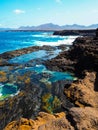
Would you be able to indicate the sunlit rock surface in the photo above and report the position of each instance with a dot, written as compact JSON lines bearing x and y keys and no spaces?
{"x":84,"y":92}
{"x":44,"y":121}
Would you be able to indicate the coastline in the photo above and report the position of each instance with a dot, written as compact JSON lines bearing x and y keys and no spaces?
{"x":81,"y":92}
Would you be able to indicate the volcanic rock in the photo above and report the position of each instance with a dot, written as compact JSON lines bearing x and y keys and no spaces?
{"x":77,"y":119}
{"x":97,"y":32}
{"x":83,"y":118}
{"x":83,"y":92}
{"x":75,"y":32}
{"x":26,"y":104}
{"x":44,"y":121}
{"x":83,"y":55}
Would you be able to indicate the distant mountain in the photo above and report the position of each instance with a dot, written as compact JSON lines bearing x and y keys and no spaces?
{"x":74,"y":26}
{"x":93,"y":26}
{"x":51,"y":26}
{"x":48,"y":26}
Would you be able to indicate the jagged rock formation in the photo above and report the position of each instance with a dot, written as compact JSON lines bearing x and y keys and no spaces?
{"x":76,"y":119}
{"x":84,"y":92}
{"x":26,"y":104}
{"x":83,"y":55}
{"x":84,"y":118}
{"x":44,"y":121}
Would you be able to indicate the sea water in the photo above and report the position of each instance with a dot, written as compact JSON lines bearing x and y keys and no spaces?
{"x":10,"y":41}
{"x":17,"y":40}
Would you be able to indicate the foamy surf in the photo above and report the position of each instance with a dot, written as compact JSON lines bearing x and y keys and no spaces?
{"x":67,"y":41}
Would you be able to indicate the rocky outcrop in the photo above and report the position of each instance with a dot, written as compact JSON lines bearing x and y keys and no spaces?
{"x":84,"y":92}
{"x":75,"y":32}
{"x":26,"y":104}
{"x":85,"y":52}
{"x":83,"y":55}
{"x":76,"y":119}
{"x":44,"y":121}
{"x":97,"y":32}
{"x":83,"y":118}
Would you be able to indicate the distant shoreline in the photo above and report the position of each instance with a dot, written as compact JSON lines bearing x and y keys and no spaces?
{"x":67,"y":32}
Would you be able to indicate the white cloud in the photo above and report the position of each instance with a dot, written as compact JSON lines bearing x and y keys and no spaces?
{"x":58,"y":1}
{"x":18,"y":11}
{"x":0,"y":25}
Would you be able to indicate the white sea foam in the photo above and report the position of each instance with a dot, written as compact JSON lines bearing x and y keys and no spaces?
{"x":48,"y":35}
{"x":67,"y":41}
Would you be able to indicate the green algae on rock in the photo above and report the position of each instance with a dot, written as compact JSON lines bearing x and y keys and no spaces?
{"x":50,"y":103}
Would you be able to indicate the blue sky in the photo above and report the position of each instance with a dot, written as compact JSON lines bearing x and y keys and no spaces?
{"x":15,"y":13}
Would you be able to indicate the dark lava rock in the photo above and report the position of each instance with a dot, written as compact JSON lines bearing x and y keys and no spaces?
{"x":83,"y":55}
{"x":97,"y":32}
{"x":75,"y":32}
{"x":86,"y":55}
{"x":26,"y":104}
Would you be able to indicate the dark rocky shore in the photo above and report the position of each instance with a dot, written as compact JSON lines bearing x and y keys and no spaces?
{"x":76,"y":32}
{"x":83,"y":55}
{"x":82,"y":60}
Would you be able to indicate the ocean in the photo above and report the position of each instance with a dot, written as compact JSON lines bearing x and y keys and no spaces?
{"x":30,"y":68}
{"x":17,"y":40}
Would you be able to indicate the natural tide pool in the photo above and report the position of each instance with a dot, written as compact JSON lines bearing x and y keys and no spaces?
{"x":41,"y":55}
{"x":40,"y":72}
{"x":29,"y":69}
{"x":14,"y":79}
